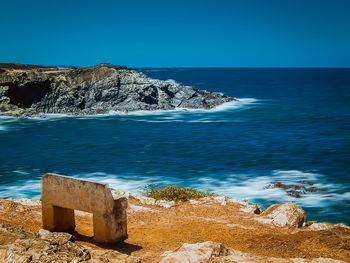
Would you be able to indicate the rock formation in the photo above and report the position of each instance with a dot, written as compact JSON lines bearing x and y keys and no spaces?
{"x":30,"y":90}
{"x":201,"y":252}
{"x":19,"y":245}
{"x":217,"y":253}
{"x":284,"y":215}
{"x":296,"y":190}
{"x":24,"y":246}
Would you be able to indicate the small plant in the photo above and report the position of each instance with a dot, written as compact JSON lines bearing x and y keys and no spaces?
{"x":174,"y":193}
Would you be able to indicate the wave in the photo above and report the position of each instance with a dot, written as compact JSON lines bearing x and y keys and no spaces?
{"x":232,"y":105}
{"x":215,"y":115}
{"x":240,"y":103}
{"x":24,"y":189}
{"x":255,"y":188}
{"x":250,"y":187}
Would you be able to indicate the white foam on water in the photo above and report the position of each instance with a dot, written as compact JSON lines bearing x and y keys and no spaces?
{"x":251,"y":187}
{"x":234,"y":104}
{"x":237,"y":186}
{"x":184,"y":114}
{"x":296,"y":175}
{"x":3,"y":120}
{"x":177,"y":114}
{"x":20,"y":172}
{"x":254,"y":187}
{"x":50,"y":116}
{"x":24,"y":189}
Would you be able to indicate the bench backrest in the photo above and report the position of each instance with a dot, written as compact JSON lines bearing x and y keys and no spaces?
{"x":67,"y":192}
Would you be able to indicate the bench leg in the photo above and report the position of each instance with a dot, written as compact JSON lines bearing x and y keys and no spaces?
{"x":109,"y":228}
{"x":58,"y":218}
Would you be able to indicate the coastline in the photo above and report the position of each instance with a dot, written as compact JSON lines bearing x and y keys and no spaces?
{"x":235,"y":104}
{"x":156,"y":227}
{"x":27,"y":90}
{"x":249,"y":156}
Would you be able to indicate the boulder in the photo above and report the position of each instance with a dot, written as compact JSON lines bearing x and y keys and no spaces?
{"x":283,"y":215}
{"x":216,"y":253}
{"x":325,"y":226}
{"x":195,"y":253}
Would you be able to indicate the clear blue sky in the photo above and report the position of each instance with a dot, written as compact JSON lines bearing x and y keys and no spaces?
{"x":179,"y":33}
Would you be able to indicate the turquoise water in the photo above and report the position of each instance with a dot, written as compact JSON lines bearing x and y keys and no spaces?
{"x":290,"y":125}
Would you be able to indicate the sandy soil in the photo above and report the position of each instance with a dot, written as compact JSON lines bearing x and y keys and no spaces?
{"x":153,"y":230}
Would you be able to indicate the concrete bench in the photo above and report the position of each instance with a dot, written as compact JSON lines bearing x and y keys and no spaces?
{"x":60,"y":195}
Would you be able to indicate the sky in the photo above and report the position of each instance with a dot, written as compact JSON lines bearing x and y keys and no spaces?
{"x":181,"y":33}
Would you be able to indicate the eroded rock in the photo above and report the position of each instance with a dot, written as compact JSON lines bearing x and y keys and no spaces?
{"x":151,"y":201}
{"x":217,"y":253}
{"x":325,"y":226}
{"x":251,"y":208}
{"x":27,"y":91}
{"x":19,"y":245}
{"x":283,"y":215}
{"x":295,"y":190}
{"x":24,"y":246}
{"x":195,"y":253}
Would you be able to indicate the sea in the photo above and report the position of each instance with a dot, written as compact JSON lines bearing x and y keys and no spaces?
{"x":289,"y":126}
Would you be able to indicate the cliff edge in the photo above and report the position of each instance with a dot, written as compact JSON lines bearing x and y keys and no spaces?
{"x":207,"y":230}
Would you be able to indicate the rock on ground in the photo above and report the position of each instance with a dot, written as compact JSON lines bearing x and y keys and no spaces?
{"x":19,"y":245}
{"x":325,"y":226}
{"x":200,"y":252}
{"x":217,"y":253}
{"x":284,"y":215}
{"x":23,"y":246}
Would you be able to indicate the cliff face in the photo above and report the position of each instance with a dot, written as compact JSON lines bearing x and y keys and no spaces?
{"x":26,"y":91}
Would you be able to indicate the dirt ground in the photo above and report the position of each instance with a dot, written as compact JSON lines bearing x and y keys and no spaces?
{"x":152,"y":230}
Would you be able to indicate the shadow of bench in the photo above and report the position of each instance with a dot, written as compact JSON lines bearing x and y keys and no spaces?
{"x":60,"y":195}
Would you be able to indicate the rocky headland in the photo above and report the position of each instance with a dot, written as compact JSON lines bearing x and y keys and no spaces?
{"x":29,"y":90}
{"x":210,"y":229}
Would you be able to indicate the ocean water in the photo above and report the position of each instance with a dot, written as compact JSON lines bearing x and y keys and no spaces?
{"x":289,"y":125}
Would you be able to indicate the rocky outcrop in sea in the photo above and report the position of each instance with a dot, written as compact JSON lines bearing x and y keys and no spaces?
{"x":27,"y":90}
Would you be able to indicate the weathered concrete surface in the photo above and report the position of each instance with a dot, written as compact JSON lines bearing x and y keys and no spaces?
{"x":62,"y":195}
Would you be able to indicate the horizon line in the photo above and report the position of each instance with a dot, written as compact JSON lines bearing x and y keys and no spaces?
{"x":188,"y":67}
{"x":239,"y":67}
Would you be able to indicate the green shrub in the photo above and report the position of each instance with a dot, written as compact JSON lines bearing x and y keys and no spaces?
{"x":174,"y":193}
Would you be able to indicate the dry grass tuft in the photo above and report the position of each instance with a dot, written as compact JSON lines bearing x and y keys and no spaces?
{"x":174,"y":193}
